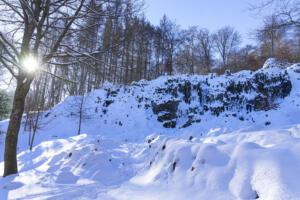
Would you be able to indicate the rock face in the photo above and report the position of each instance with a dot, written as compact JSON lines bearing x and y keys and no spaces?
{"x":183,"y":101}
{"x":189,"y":99}
{"x":166,"y":112}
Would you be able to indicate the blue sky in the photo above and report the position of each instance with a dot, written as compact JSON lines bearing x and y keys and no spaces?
{"x":211,"y":14}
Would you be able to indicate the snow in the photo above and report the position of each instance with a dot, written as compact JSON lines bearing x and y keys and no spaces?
{"x":273,"y":62}
{"x":230,"y":166}
{"x":124,"y":153}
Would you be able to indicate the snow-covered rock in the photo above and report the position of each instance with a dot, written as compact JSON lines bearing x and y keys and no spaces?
{"x":273,"y":62}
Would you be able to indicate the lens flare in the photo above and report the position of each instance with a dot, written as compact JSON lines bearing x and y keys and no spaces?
{"x":30,"y":64}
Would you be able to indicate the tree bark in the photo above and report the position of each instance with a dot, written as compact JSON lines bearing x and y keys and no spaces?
{"x":11,"y":141}
{"x":80,"y":115}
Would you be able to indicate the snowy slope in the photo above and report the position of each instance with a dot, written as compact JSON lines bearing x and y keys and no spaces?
{"x":245,"y":150}
{"x":231,"y":166}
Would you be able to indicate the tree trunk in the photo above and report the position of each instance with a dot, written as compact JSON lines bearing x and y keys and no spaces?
{"x":11,"y":140}
{"x":80,"y":114}
{"x":35,"y":127}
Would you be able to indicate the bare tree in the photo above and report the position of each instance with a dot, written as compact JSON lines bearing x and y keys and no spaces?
{"x":206,"y":48}
{"x":169,"y":31}
{"x":186,"y":56}
{"x":271,"y":35}
{"x":226,"y":40}
{"x":28,"y":38}
{"x":288,"y":11}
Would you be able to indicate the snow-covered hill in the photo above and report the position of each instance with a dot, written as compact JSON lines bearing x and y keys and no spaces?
{"x":198,"y":137}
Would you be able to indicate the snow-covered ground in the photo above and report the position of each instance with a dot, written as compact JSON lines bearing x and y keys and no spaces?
{"x":125,"y":153}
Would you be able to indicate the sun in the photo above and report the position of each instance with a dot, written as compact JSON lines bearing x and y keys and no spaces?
{"x":30,"y":64}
